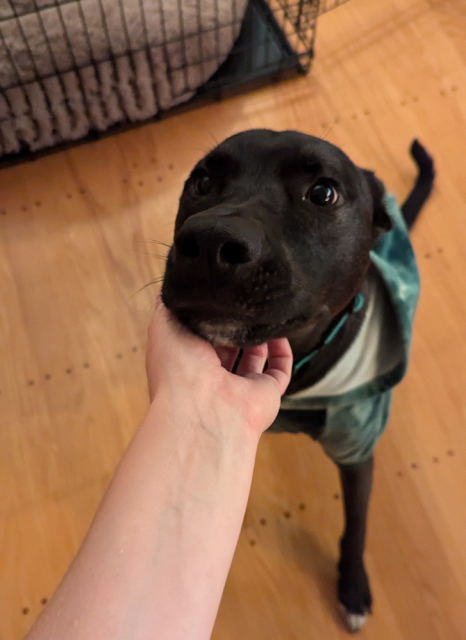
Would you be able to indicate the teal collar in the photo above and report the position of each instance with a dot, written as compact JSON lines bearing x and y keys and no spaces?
{"x":357,"y":306}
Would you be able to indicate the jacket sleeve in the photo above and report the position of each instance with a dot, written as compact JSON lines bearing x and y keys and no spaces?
{"x":351,"y":432}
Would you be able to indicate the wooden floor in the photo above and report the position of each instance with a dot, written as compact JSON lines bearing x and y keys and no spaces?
{"x":76,"y":247}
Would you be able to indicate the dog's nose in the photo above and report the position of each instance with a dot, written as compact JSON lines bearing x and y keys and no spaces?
{"x":218,"y":243}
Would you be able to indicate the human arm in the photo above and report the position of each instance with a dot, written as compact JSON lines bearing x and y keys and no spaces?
{"x":156,"y":557}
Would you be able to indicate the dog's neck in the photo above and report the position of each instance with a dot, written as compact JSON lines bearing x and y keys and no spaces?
{"x":314,"y":355}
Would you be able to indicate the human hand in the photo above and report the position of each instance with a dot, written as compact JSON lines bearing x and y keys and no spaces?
{"x":197,"y":377}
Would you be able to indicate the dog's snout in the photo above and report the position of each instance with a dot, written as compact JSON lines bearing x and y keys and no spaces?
{"x":187,"y":245}
{"x":218,"y":243}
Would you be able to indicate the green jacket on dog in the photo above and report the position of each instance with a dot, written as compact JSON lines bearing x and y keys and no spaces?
{"x":354,"y":397}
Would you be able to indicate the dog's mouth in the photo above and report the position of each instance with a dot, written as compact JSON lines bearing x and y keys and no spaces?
{"x":240,"y":308}
{"x":235,"y":330}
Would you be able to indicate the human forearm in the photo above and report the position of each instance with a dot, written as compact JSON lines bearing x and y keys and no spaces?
{"x":158,"y":552}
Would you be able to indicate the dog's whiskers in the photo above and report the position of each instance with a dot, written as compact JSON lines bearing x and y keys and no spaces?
{"x":151,"y":240}
{"x":149,"y":284}
{"x":327,"y":133}
{"x":214,"y":140}
{"x":153,"y":255}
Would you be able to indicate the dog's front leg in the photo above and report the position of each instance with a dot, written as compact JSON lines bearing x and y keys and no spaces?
{"x":353,"y":585}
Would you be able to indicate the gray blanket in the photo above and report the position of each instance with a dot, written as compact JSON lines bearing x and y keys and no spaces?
{"x":69,"y":66}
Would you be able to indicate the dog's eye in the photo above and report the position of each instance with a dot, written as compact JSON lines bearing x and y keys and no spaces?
{"x":323,"y":194}
{"x":202,"y":185}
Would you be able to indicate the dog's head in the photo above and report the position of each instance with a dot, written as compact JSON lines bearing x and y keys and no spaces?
{"x":273,"y":234}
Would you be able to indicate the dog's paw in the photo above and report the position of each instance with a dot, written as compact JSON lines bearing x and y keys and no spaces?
{"x":354,"y":595}
{"x":353,"y":621}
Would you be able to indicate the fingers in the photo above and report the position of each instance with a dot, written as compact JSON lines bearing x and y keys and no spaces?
{"x":253,"y":360}
{"x":280,"y":362}
{"x":227,"y":356}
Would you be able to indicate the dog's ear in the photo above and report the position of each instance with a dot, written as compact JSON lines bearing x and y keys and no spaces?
{"x":381,"y":220}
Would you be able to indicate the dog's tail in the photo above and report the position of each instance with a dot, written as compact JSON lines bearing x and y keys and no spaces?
{"x":423,"y":185}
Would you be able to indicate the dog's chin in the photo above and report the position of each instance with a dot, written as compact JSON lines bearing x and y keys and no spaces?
{"x":228,"y":334}
{"x":237,"y":329}
{"x":235,"y":333}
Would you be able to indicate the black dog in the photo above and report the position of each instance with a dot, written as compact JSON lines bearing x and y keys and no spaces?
{"x":280,"y":234}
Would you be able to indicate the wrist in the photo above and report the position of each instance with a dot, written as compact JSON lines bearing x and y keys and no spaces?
{"x":215,"y":424}
{"x":202,"y":469}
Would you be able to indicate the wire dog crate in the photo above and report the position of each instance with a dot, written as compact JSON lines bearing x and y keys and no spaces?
{"x":74,"y":70}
